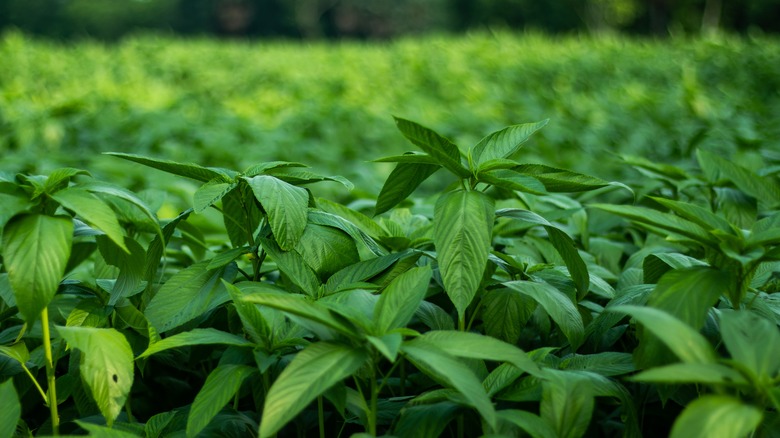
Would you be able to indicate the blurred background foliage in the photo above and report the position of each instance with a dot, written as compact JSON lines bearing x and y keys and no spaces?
{"x":112,"y":19}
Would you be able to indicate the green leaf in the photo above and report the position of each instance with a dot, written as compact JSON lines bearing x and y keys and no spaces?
{"x":400,"y":299}
{"x":717,"y":169}
{"x":98,"y":431}
{"x":220,"y":387}
{"x":106,"y":366}
{"x":156,"y":249}
{"x":363,"y":222}
{"x":10,"y":206}
{"x":35,"y":250}
{"x":686,"y":294}
{"x":58,"y":179}
{"x":511,"y":180}
{"x":315,"y":369}
{"x":608,"y":363}
{"x":409,"y":157}
{"x":567,"y":403}
{"x":94,"y":211}
{"x":257,"y":169}
{"x":688,"y":344}
{"x":703,"y":373}
{"x":438,"y":147}
{"x":559,"y":306}
{"x":10,"y":409}
{"x":401,"y":182}
{"x":131,"y":264}
{"x":562,"y":243}
{"x":197,"y":336}
{"x":210,"y":193}
{"x":425,"y":421}
{"x":654,"y":266}
{"x":298,"y":176}
{"x":505,"y":313}
{"x":462,"y":233}
{"x":665,"y":221}
{"x":362,"y":271}
{"x":187,"y":170}
{"x":240,"y":215}
{"x":716,"y":415}
{"x":190,"y":293}
{"x":294,"y":266}
{"x":326,"y":249}
{"x":389,"y":344}
{"x":115,"y":192}
{"x":561,"y":180}
{"x":698,"y":215}
{"x":476,"y":346}
{"x":503,"y":143}
{"x":753,"y":341}
{"x":531,"y":423}
{"x":304,"y":307}
{"x":17,"y":351}
{"x":356,"y":233}
{"x":285,"y":205}
{"x":445,"y":368}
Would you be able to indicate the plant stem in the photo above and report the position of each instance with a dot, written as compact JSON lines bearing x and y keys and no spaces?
{"x":373,"y":405}
{"x":55,"y":419}
{"x":35,"y":382}
{"x":321,"y":416}
{"x":462,"y":322}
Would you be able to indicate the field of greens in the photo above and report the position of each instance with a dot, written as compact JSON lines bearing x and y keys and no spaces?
{"x":489,"y":235}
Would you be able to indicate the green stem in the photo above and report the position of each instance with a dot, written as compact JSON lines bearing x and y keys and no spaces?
{"x":373,"y":406}
{"x":321,"y":416}
{"x":35,"y":382}
{"x":462,"y":322}
{"x":55,"y":418}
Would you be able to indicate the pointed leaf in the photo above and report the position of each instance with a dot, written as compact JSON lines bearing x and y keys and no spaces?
{"x":567,"y":404}
{"x":190,"y":293}
{"x":717,"y":168}
{"x":438,"y":147}
{"x":531,"y":423}
{"x":285,"y":205}
{"x":559,"y":306}
{"x":315,"y":369}
{"x":401,"y":182}
{"x":10,"y":409}
{"x":462,"y":234}
{"x":503,"y":143}
{"x":35,"y":250}
{"x":695,"y":214}
{"x":106,"y":366}
{"x":505,"y":313}
{"x":425,"y":421}
{"x":187,"y":170}
{"x":476,"y":346}
{"x":400,"y":299}
{"x":389,"y":345}
{"x":302,"y":306}
{"x":197,"y":336}
{"x":220,"y":387}
{"x":93,"y":210}
{"x":661,"y":220}
{"x":753,"y":341}
{"x":210,"y":193}
{"x":511,"y":180}
{"x":298,"y":176}
{"x":451,"y":372}
{"x":294,"y":266}
{"x":362,"y":271}
{"x":409,"y":157}
{"x":704,"y":373}
{"x":562,"y":243}
{"x":561,"y":180}
{"x":688,"y":344}
{"x":716,"y":415}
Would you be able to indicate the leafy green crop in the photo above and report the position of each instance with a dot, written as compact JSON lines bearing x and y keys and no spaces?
{"x":522,"y":299}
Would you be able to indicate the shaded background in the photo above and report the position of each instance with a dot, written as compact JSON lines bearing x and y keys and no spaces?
{"x":380,"y":19}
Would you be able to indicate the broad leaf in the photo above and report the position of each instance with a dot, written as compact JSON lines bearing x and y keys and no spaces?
{"x":462,"y":232}
{"x":35,"y":250}
{"x":559,"y":306}
{"x":400,"y":299}
{"x":197,"y":336}
{"x":438,"y":147}
{"x":503,"y":143}
{"x":220,"y":386}
{"x":314,"y":370}
{"x":451,"y":372}
{"x":401,"y":182}
{"x":608,"y":363}
{"x":425,"y":421}
{"x":562,"y":243}
{"x":240,"y":215}
{"x":753,"y":341}
{"x":476,"y":346}
{"x":505,"y":313}
{"x":210,"y":193}
{"x":688,"y":344}
{"x":567,"y":403}
{"x":531,"y":423}
{"x":292,"y":264}
{"x":131,"y":264}
{"x":285,"y":206}
{"x":362,"y":271}
{"x":511,"y":180}
{"x":93,"y":210}
{"x":716,"y":415}
{"x":10,"y":408}
{"x":698,"y":215}
{"x":326,"y":249}
{"x":106,"y":366}
{"x":654,"y":266}
{"x":190,"y":293}
{"x":717,"y":169}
